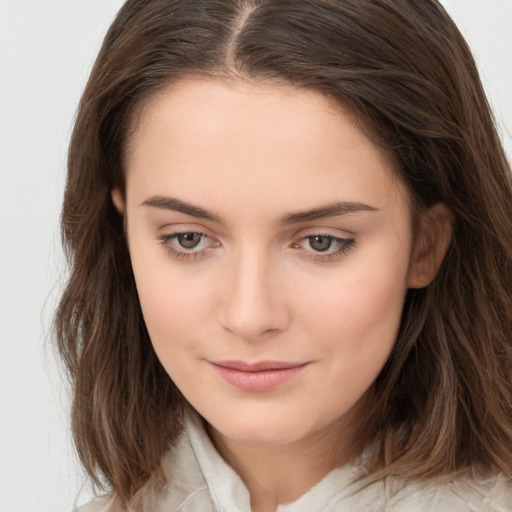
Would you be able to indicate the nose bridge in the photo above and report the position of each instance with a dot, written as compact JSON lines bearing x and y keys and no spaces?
{"x":253,"y":305}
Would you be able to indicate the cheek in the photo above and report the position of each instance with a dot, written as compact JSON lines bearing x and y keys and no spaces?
{"x":356,"y":316}
{"x":173,"y":314}
{"x":174,"y":305}
{"x":355,"y":333}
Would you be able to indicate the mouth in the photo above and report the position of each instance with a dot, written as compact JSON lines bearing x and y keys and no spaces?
{"x":257,"y":377}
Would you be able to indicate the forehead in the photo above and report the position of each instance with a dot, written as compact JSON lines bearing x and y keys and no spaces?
{"x":209,"y":140}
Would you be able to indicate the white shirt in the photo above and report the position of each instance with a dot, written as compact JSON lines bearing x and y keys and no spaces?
{"x":201,"y":481}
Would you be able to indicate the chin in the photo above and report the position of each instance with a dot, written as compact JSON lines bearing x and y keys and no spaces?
{"x":266,"y":431}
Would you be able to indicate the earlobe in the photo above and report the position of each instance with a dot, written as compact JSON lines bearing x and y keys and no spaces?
{"x":432,"y":242}
{"x":118,"y":200}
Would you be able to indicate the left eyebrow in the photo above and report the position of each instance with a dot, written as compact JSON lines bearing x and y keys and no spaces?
{"x":322,"y":212}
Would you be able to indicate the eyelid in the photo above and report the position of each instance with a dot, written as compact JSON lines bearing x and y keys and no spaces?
{"x":327,"y":230}
{"x":185,"y":227}
{"x":323,"y":231}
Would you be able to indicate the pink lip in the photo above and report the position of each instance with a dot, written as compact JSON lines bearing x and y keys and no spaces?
{"x":260,"y":376}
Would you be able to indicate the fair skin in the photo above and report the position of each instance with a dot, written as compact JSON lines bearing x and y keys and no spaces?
{"x":272,"y":250}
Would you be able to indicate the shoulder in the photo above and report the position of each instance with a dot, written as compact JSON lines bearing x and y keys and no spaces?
{"x":99,"y":504}
{"x":493,"y":494}
{"x":185,"y":489}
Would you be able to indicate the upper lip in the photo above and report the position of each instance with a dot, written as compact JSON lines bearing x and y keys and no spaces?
{"x":258,"y":366}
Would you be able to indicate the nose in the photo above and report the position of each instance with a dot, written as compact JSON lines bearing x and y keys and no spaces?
{"x":254,"y":306}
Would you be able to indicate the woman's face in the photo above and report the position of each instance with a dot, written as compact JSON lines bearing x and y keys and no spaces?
{"x":271,"y":246}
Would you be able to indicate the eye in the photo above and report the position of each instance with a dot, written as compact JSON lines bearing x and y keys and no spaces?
{"x":187,"y":244}
{"x":324,"y":247}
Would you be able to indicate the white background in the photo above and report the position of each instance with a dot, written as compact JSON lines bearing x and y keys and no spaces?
{"x":46,"y":51}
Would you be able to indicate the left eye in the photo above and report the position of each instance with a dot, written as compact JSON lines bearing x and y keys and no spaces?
{"x":324,"y":244}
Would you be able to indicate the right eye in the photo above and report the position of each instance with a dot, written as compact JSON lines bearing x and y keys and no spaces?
{"x":187,"y":244}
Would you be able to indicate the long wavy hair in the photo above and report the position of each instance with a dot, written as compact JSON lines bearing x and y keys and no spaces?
{"x":443,"y":402}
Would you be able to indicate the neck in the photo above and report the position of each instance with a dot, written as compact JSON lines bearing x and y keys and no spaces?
{"x":275,"y":474}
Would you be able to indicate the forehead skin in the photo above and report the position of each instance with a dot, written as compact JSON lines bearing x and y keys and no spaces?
{"x":208,"y":128}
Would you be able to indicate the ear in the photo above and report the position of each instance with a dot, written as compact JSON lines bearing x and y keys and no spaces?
{"x":431,"y":243}
{"x":118,"y":200}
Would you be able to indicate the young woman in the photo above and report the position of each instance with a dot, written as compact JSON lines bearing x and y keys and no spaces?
{"x":290,"y":233}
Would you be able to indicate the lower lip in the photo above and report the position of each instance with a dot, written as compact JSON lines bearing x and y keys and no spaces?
{"x":263,"y":380}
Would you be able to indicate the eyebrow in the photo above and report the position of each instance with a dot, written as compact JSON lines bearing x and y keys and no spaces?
{"x":177,"y":205}
{"x":329,"y":210}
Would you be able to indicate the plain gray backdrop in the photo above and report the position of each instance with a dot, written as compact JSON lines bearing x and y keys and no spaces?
{"x":46,"y":51}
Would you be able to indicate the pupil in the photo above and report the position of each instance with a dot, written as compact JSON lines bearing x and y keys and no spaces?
{"x":320,"y":243}
{"x":189,"y":240}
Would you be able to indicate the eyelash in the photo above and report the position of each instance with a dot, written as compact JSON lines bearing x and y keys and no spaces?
{"x":345,"y":245}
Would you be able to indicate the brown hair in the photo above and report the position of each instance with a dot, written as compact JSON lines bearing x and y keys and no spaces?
{"x":443,"y":402}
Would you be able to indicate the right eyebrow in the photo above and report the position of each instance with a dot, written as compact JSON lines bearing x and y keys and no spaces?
{"x":177,"y":205}
{"x":322,"y":212}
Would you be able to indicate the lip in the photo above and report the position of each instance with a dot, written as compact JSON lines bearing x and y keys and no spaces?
{"x":257,"y":377}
